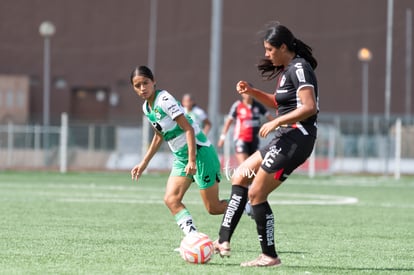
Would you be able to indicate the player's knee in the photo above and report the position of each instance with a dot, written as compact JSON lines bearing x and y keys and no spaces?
{"x":170,"y":201}
{"x":210,"y":209}
{"x":254,"y":196}
{"x":215,"y":209}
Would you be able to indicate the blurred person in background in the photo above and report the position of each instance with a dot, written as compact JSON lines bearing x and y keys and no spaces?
{"x":247,"y":114}
{"x":196,"y":113}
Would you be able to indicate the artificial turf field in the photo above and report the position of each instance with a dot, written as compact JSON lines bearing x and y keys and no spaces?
{"x":103,"y":223}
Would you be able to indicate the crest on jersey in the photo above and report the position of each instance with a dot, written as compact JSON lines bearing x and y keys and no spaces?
{"x":157,"y":114}
{"x":282,"y":81}
{"x":243,"y":112}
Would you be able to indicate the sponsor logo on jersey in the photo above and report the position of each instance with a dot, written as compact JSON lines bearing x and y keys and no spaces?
{"x":173,"y":109}
{"x":299,"y":72}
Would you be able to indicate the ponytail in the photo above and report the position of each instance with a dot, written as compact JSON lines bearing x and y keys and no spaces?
{"x":305,"y":51}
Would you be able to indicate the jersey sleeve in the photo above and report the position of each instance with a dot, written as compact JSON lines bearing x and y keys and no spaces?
{"x":201,"y":114}
{"x":233,"y":110}
{"x":301,"y":75}
{"x":170,"y":105}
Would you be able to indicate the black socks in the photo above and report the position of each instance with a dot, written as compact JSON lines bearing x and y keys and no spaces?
{"x":263,"y":216}
{"x":265,"y":228}
{"x":233,"y":212}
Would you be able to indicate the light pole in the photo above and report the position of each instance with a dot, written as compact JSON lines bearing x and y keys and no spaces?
{"x":388,"y":72}
{"x":46,"y":30}
{"x":365,"y":56}
{"x":215,"y":65}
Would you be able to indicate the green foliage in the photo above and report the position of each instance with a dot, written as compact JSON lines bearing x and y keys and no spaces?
{"x":103,"y":223}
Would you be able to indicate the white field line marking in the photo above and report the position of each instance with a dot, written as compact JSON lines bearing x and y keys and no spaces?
{"x":344,"y":201}
{"x":135,"y":194}
{"x":133,"y":197}
{"x":356,"y":182}
{"x":312,"y":199}
{"x":297,"y":199}
{"x":388,"y":205}
{"x":89,"y":186}
{"x":114,"y":200}
{"x":139,"y":195}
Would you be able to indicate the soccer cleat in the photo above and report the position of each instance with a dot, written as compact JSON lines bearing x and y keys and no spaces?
{"x":263,"y":260}
{"x":223,"y":249}
{"x":249,"y":210}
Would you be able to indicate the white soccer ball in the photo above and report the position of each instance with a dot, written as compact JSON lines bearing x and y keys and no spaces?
{"x":196,"y":248}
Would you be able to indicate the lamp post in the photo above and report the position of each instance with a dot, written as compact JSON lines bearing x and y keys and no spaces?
{"x":365,"y":56}
{"x":46,"y":30}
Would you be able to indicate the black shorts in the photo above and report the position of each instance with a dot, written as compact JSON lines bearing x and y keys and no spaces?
{"x":286,"y":151}
{"x":245,"y":147}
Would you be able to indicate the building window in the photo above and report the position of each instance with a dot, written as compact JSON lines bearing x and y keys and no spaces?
{"x":100,"y":95}
{"x":21,"y":99}
{"x":9,"y":99}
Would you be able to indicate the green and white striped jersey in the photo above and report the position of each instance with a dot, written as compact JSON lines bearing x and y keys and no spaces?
{"x":165,"y":109}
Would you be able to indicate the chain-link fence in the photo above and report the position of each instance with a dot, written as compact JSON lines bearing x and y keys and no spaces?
{"x":343,"y":145}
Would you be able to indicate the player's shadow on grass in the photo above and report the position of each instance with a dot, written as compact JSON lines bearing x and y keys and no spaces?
{"x":281,"y":252}
{"x":229,"y":263}
{"x":292,"y":252}
{"x":223,"y":263}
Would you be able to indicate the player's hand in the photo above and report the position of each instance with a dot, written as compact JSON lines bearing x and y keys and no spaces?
{"x":243,"y":87}
{"x":137,"y":171}
{"x":220,"y":143}
{"x":267,"y":128}
{"x":190,"y":168}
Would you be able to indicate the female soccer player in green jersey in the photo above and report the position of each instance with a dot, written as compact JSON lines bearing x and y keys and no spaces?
{"x":195,"y":158}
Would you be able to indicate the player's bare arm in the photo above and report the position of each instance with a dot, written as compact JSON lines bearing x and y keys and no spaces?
{"x":191,"y":167}
{"x":138,"y":169}
{"x":308,"y":108}
{"x":265,"y":98}
{"x":207,"y":126}
{"x":226,"y":127}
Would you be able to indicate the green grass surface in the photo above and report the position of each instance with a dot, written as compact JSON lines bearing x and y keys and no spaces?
{"x":103,"y":223}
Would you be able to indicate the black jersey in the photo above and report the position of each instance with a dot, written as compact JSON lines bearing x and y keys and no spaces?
{"x":297,"y":74}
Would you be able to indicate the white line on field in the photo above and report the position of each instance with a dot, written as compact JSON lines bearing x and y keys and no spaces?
{"x":298,"y":199}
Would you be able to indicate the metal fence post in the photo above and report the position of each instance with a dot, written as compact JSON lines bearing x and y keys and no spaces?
{"x":64,"y":143}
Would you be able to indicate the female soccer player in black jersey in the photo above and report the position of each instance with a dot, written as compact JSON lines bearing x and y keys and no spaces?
{"x":291,"y":63}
